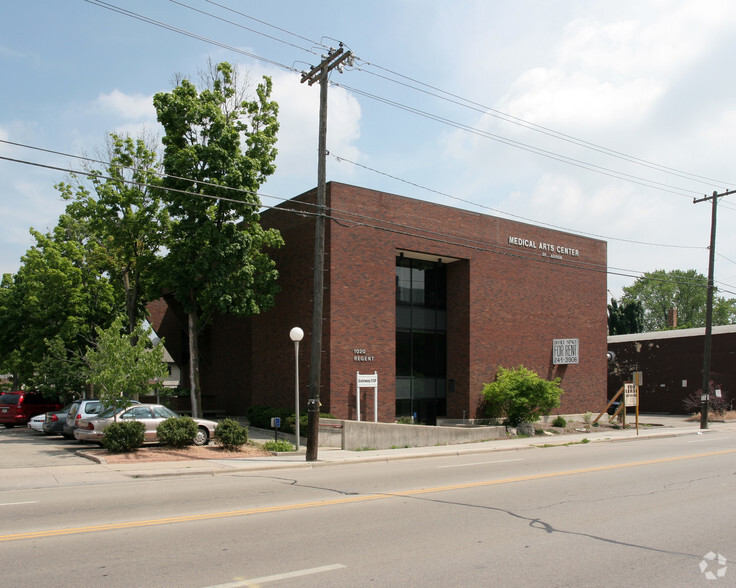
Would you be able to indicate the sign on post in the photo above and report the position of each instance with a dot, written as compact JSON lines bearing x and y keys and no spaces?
{"x":630,"y":395}
{"x":565,"y":351}
{"x":367,"y":381}
{"x":275,"y":425}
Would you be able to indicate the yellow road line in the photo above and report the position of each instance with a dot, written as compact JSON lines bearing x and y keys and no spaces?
{"x":347,"y":500}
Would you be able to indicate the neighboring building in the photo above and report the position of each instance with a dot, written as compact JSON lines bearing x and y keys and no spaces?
{"x":671,"y":363}
{"x":431,"y":298}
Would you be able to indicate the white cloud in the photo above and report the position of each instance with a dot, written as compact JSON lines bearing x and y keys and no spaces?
{"x":299,"y":121}
{"x":553,"y":97}
{"x":126,"y":106}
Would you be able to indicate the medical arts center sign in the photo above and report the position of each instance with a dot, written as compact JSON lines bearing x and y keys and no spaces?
{"x":553,"y":250}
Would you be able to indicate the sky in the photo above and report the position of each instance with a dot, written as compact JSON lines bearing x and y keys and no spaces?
{"x":604,"y":119}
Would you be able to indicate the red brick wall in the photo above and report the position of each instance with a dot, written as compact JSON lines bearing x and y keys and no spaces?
{"x":666,"y":363}
{"x":514,"y":301}
{"x":506,"y":303}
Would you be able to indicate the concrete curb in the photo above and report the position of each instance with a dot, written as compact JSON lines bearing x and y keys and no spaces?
{"x":228,"y":468}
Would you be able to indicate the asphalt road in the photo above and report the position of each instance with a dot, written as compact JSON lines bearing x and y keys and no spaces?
{"x":636,"y":513}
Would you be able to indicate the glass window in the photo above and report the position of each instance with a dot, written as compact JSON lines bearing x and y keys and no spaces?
{"x":421,"y":337}
{"x":403,"y":285}
{"x":161,"y":412}
{"x":403,"y":353}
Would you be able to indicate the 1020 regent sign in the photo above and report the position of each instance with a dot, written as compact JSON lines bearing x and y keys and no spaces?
{"x":361,"y":355}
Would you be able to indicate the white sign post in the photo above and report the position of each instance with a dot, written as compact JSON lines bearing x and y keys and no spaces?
{"x":565,"y":351}
{"x":367,"y":381}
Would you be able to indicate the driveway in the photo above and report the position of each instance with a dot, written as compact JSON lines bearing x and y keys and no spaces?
{"x":22,"y":448}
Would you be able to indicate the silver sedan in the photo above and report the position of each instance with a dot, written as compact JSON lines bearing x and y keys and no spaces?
{"x":151,"y":415}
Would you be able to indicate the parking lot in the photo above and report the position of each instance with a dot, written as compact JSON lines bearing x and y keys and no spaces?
{"x":22,"y":448}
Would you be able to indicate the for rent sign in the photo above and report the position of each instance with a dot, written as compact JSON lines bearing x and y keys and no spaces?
{"x":565,"y":351}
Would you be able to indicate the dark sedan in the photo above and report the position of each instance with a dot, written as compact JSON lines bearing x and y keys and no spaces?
{"x":54,"y":422}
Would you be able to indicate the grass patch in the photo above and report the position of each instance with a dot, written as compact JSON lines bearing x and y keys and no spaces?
{"x":581,"y":442}
{"x":282,"y":445}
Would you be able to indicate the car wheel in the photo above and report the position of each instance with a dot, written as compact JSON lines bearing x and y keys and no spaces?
{"x":9,"y":425}
{"x":68,"y":437}
{"x":202,"y":437}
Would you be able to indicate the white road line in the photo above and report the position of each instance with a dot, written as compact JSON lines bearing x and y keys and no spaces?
{"x":277,"y":577}
{"x":14,"y":503}
{"x":462,"y":465}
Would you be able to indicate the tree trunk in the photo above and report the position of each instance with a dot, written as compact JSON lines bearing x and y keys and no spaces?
{"x":195,"y":393}
{"x":131,"y":300}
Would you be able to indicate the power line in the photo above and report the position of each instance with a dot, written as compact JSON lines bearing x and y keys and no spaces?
{"x":408,"y":182}
{"x":187,"y":33}
{"x":538,"y":151}
{"x":235,"y":24}
{"x":263,"y":22}
{"x":498,"y":211}
{"x":458,"y":100}
{"x":530,"y":148}
{"x":372,"y":223}
{"x":487,"y":110}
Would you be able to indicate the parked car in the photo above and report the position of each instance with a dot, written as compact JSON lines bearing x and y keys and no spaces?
{"x":36,"y":423}
{"x":83,"y":409}
{"x":17,"y":408}
{"x":150,"y":415}
{"x":54,"y":420}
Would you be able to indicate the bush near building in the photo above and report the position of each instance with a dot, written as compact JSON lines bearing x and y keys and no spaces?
{"x":231,"y":435}
{"x":520,"y":396}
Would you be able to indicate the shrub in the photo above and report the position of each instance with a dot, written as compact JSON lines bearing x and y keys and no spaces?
{"x":231,"y":435}
{"x":559,"y":421}
{"x":260,"y":417}
{"x":587,"y":417}
{"x":716,"y":404}
{"x":123,"y":437}
{"x":289,"y":426}
{"x":177,"y":431}
{"x":279,"y":446}
{"x":520,"y":395}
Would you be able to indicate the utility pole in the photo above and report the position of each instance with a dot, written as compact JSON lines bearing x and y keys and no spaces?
{"x":709,"y":307}
{"x":334,"y":59}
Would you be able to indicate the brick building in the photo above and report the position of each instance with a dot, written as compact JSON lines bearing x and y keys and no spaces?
{"x":431,"y":298}
{"x":672,"y":366}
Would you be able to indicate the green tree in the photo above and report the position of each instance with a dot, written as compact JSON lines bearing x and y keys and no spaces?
{"x":659,"y":291}
{"x":625,"y":317}
{"x":520,"y":395}
{"x":126,"y":219}
{"x":218,"y":150}
{"x":52,"y":306}
{"x":11,"y":322}
{"x":124,"y":365}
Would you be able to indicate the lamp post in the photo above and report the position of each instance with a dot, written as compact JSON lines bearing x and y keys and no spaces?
{"x":296,"y":335}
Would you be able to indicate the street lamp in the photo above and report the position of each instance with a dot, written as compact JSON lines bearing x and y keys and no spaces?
{"x":296,"y":335}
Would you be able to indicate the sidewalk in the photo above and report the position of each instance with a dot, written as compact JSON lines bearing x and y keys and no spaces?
{"x":650,"y":426}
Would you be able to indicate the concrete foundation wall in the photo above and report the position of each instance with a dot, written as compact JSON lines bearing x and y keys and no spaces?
{"x":356,"y":435}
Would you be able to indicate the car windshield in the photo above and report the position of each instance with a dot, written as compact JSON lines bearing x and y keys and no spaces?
{"x":162,"y":412}
{"x":107,"y":412}
{"x":9,"y":398}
